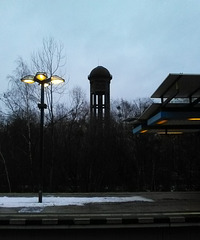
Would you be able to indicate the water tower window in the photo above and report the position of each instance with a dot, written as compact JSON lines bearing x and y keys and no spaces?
{"x":103,"y":99}
{"x":92,"y":99}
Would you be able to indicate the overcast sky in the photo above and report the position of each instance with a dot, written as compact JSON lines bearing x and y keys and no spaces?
{"x":139,"y":41}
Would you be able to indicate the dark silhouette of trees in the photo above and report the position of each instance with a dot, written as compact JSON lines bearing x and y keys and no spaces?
{"x":84,"y":161}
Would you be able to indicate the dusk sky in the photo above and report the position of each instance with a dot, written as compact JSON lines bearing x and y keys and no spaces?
{"x":139,"y":41}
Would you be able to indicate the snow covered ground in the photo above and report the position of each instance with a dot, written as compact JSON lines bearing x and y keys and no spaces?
{"x":13,"y":202}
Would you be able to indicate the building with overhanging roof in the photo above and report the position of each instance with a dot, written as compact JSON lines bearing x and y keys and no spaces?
{"x":179,"y":109}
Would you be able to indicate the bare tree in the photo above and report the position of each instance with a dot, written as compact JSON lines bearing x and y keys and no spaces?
{"x":21,"y":99}
{"x":123,"y":109}
{"x":6,"y":170}
{"x":79,"y":106}
{"x":50,"y":59}
{"x":19,"y":102}
{"x":141,"y":104}
{"x":19,"y":96}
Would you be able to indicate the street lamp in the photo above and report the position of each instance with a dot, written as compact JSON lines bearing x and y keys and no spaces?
{"x":43,"y":80}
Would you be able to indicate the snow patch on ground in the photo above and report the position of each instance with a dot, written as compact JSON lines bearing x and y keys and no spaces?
{"x":32,"y":202}
{"x":31,"y":210}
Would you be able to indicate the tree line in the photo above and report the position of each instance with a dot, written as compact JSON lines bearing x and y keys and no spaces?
{"x":78,"y":159}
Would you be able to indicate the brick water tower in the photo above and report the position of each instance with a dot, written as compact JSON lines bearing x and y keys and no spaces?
{"x":100,"y":79}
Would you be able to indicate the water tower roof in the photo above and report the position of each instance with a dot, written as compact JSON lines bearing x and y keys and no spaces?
{"x":100,"y":72}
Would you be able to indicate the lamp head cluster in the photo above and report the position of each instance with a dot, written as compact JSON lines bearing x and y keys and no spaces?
{"x":42,"y":78}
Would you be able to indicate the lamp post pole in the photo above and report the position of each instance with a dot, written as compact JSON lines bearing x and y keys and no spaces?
{"x":41,"y":106}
